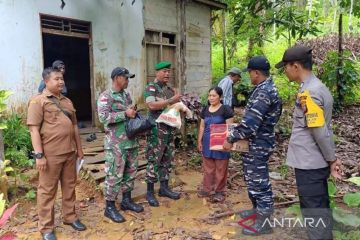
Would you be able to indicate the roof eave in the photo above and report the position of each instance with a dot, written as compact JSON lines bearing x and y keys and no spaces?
{"x":216,"y":5}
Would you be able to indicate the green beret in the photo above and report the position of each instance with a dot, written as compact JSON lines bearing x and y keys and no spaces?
{"x":162,"y":64}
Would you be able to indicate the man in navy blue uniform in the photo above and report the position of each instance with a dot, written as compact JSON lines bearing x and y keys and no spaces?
{"x":262,"y":112}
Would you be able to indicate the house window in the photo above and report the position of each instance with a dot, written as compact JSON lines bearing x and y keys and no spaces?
{"x":160,"y":46}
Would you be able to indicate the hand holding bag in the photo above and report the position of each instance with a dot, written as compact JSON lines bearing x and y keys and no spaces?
{"x":137,"y":125}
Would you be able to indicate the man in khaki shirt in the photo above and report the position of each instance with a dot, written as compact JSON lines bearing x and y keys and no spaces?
{"x":311,"y":148}
{"x":56,"y":141}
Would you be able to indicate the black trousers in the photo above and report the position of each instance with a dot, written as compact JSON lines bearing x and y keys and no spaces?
{"x":314,"y":202}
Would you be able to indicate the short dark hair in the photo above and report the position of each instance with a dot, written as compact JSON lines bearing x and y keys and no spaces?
{"x":306,"y":64}
{"x":218,"y":90}
{"x":266,"y":73}
{"x":57,"y":64}
{"x":47,"y":71}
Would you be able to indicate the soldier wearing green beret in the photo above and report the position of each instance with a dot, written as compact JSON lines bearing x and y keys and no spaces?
{"x":160,"y":141}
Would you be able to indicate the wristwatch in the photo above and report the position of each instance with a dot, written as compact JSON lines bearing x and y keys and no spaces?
{"x":39,"y":155}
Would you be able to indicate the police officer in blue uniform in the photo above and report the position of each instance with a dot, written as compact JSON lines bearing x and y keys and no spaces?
{"x":262,"y":112}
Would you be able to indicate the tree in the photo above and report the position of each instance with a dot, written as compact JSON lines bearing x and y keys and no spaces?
{"x":353,"y":8}
{"x":254,"y":21}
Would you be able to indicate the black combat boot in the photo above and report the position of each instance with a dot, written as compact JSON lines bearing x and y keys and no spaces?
{"x":128,"y":204}
{"x":150,"y":197}
{"x":166,"y":192}
{"x":261,"y":226}
{"x":112,"y":213}
{"x":248,"y":212}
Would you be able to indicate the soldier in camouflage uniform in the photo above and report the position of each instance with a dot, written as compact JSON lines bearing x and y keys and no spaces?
{"x":262,"y":112}
{"x":160,"y":141}
{"x":114,"y":107}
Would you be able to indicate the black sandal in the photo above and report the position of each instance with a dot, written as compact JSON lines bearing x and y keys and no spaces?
{"x":218,"y":197}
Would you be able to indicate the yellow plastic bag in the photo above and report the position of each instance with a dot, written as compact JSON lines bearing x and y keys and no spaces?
{"x":313,"y":113}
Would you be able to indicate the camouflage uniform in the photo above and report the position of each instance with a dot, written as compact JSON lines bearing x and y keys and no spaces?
{"x":160,"y":140}
{"x":262,"y":112}
{"x":120,"y":152}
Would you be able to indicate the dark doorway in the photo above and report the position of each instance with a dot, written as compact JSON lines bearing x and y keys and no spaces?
{"x":74,"y":52}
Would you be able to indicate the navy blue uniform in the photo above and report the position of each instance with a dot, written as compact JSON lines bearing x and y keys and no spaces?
{"x":262,"y":112}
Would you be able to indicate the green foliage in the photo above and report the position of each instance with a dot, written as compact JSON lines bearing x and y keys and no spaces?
{"x":5,"y":168}
{"x":284,"y":170}
{"x":355,"y":180}
{"x":346,"y":218}
{"x":257,"y":21}
{"x":352,"y":199}
{"x":216,"y":63}
{"x":2,"y":204}
{"x":351,"y":235}
{"x":243,"y":88}
{"x":18,"y":158}
{"x":30,"y":195}
{"x":340,"y":215}
{"x":331,"y":188}
{"x":190,"y":139}
{"x":291,"y":21}
{"x":17,"y":148}
{"x":294,"y":209}
{"x":350,"y":84}
{"x":3,"y":96}
{"x":332,"y":192}
{"x":346,"y":4}
{"x":287,"y":90}
{"x":204,"y":99}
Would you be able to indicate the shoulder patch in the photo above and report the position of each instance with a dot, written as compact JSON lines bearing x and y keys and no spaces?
{"x":152,"y":88}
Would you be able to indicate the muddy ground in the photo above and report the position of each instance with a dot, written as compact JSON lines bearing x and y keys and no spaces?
{"x":187,"y":218}
{"x":190,"y":217}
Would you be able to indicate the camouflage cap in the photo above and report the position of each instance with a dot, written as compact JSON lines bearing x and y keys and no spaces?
{"x":162,"y":65}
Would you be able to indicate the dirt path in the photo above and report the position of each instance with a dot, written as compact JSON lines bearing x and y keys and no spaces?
{"x":172,"y":220}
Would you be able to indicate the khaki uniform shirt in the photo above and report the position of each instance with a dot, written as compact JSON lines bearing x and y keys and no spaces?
{"x":56,"y":129}
{"x":312,"y":148}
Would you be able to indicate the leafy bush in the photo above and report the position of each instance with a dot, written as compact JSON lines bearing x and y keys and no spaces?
{"x":287,"y":90}
{"x":30,"y":195}
{"x":243,"y":88}
{"x":17,"y":148}
{"x":3,"y":96}
{"x":351,"y":78}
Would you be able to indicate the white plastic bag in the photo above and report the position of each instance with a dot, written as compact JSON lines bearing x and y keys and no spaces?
{"x":171,"y":115}
{"x":79,"y":163}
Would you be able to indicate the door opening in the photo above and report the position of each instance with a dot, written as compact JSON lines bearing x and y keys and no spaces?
{"x":60,"y":43}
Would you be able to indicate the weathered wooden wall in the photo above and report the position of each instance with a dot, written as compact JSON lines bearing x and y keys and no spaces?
{"x":198,"y":56}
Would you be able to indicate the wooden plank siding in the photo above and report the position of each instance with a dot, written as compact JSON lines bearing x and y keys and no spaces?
{"x":193,"y":50}
{"x":160,"y":15}
{"x":198,"y":46}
